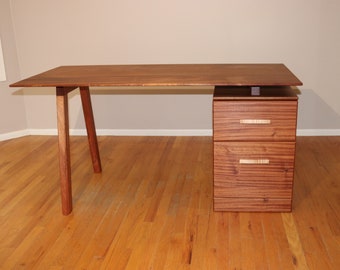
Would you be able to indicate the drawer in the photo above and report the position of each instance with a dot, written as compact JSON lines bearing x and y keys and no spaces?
{"x":257,"y":170}
{"x":256,"y":120}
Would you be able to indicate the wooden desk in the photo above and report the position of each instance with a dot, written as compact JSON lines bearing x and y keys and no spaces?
{"x":68,"y":78}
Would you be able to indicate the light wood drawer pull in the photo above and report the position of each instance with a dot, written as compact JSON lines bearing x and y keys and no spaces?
{"x":255,"y":121}
{"x":254,"y":161}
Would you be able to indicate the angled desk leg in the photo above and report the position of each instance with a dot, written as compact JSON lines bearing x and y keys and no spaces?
{"x":64,"y":149}
{"x":90,"y":128}
{"x":64,"y":142}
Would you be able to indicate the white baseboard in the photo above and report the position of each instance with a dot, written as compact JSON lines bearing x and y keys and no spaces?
{"x":111,"y":132}
{"x":150,"y":132}
{"x":153,"y":132}
{"x":14,"y":134}
{"x":129,"y":132}
{"x":318,"y":132}
{"x":44,"y":132}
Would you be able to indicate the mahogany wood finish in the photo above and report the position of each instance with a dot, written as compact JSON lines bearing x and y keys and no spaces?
{"x":90,"y":128}
{"x":66,"y":78}
{"x":164,"y":75}
{"x":268,"y":186}
{"x":64,"y":149}
{"x":254,"y":149}
{"x":234,"y":121}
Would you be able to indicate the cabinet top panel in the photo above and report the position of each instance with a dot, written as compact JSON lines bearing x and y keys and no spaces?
{"x":266,"y":93}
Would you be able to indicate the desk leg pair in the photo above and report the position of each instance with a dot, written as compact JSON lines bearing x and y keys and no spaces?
{"x":64,"y":141}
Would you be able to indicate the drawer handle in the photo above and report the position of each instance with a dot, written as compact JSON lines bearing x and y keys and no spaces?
{"x":254,"y":161}
{"x":255,"y":121}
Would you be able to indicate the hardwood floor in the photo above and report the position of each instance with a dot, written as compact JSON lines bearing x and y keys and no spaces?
{"x":151,"y":208}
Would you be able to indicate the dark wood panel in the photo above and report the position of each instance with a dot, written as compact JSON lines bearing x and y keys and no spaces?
{"x":253,"y":170}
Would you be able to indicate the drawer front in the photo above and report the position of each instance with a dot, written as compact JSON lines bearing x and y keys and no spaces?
{"x":254,"y":170}
{"x":254,"y":120}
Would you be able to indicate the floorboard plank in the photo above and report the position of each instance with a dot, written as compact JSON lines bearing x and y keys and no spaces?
{"x":151,"y":208}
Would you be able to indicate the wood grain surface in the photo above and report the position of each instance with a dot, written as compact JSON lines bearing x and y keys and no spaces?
{"x":280,"y":125}
{"x":253,"y":187}
{"x":163,"y":75}
{"x":254,"y":149}
{"x":151,"y":208}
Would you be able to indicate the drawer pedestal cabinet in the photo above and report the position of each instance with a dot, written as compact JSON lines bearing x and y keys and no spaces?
{"x":254,"y":148}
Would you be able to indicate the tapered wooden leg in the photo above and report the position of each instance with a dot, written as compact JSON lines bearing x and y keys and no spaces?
{"x":90,"y":127}
{"x":64,"y":150}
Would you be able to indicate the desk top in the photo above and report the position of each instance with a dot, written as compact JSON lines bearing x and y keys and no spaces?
{"x":164,"y":75}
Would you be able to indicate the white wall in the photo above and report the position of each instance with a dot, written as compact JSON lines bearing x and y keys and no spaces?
{"x":303,"y":34}
{"x":12,"y":109}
